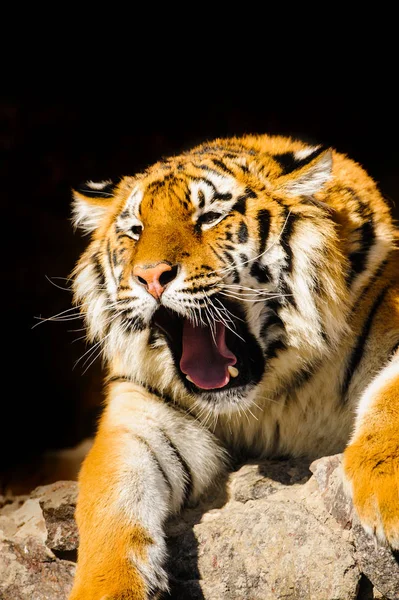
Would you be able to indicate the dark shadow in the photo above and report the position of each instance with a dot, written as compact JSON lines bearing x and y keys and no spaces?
{"x":287,"y":470}
{"x":184,"y":575}
{"x":71,"y":555}
{"x":366,"y":588}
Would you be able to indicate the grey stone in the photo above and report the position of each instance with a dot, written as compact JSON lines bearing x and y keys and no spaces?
{"x":376,"y":562}
{"x":329,"y":476}
{"x":58,"y":502}
{"x":272,"y":547}
{"x":271,"y":531}
{"x":30,"y":571}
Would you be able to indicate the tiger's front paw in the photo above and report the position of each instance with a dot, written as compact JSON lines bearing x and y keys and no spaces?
{"x":122,"y":568}
{"x":373,"y":478}
{"x":122,"y":585}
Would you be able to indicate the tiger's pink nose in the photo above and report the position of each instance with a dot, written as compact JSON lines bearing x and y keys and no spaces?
{"x":155,"y":278}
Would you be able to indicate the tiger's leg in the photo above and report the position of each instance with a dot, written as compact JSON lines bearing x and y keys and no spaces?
{"x":371,"y":461}
{"x":147,"y":459}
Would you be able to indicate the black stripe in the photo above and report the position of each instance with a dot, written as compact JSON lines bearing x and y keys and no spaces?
{"x":273,"y":317}
{"x":303,"y":375}
{"x":242,"y":234}
{"x":263,"y":218}
{"x":243,"y":168}
{"x":164,"y":397}
{"x":111,"y":263}
{"x":231,"y":261}
{"x":222,"y":166}
{"x":286,"y":234}
{"x":122,"y":234}
{"x":289,"y":163}
{"x":225,"y":197}
{"x":358,"y":259}
{"x":297,"y":379}
{"x":274,"y":347}
{"x":155,"y":459}
{"x":371,"y":282}
{"x":98,"y":269}
{"x":216,"y":194}
{"x":155,"y":186}
{"x":188,"y":479}
{"x":241,"y":203}
{"x":358,"y":351}
{"x":287,"y":293}
{"x":201,"y":199}
{"x":249,"y":193}
{"x":195,"y":289}
{"x":217,"y":255}
{"x":260,"y":273}
{"x":115,"y":258}
{"x":136,"y":323}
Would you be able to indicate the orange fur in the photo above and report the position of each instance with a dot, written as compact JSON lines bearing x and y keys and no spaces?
{"x":371,"y":464}
{"x":106,"y":539}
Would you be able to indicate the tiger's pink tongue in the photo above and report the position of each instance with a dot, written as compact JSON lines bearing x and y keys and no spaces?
{"x":204,"y":360}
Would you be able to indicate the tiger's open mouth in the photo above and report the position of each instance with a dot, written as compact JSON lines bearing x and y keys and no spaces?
{"x":207,"y":358}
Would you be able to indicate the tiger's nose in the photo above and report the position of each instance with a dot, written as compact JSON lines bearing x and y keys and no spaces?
{"x":155,"y":278}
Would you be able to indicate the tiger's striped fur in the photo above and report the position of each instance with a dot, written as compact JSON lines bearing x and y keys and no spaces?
{"x":267,"y":272}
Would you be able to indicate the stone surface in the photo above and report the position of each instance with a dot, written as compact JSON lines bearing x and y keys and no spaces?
{"x":30,"y":571}
{"x":379,"y":564}
{"x":57,"y":502}
{"x":271,"y":531}
{"x":267,"y":542}
{"x":328,"y":474}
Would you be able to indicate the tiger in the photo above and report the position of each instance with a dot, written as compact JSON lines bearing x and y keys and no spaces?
{"x":245,"y":297}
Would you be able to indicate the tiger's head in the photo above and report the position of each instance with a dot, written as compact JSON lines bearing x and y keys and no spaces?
{"x":213,"y":270}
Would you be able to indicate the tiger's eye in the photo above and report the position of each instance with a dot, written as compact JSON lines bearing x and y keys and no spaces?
{"x":136,"y":230}
{"x":209,"y":217}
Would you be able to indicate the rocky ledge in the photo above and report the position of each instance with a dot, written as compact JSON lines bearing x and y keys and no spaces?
{"x":272,"y":531}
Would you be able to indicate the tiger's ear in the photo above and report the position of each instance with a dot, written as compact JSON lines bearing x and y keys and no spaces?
{"x":91,"y":203}
{"x":305,"y":172}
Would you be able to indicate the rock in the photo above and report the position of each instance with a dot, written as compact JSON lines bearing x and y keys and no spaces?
{"x":29,"y":570}
{"x":271,"y":531}
{"x":329,"y":476}
{"x":58,"y":502}
{"x":377,"y":563}
{"x":270,"y":547}
{"x":28,"y":567}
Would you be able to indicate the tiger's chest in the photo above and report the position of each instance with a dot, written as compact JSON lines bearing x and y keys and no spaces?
{"x":310,"y":419}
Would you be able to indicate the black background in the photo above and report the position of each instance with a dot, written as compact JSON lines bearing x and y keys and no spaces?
{"x":51,"y":145}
